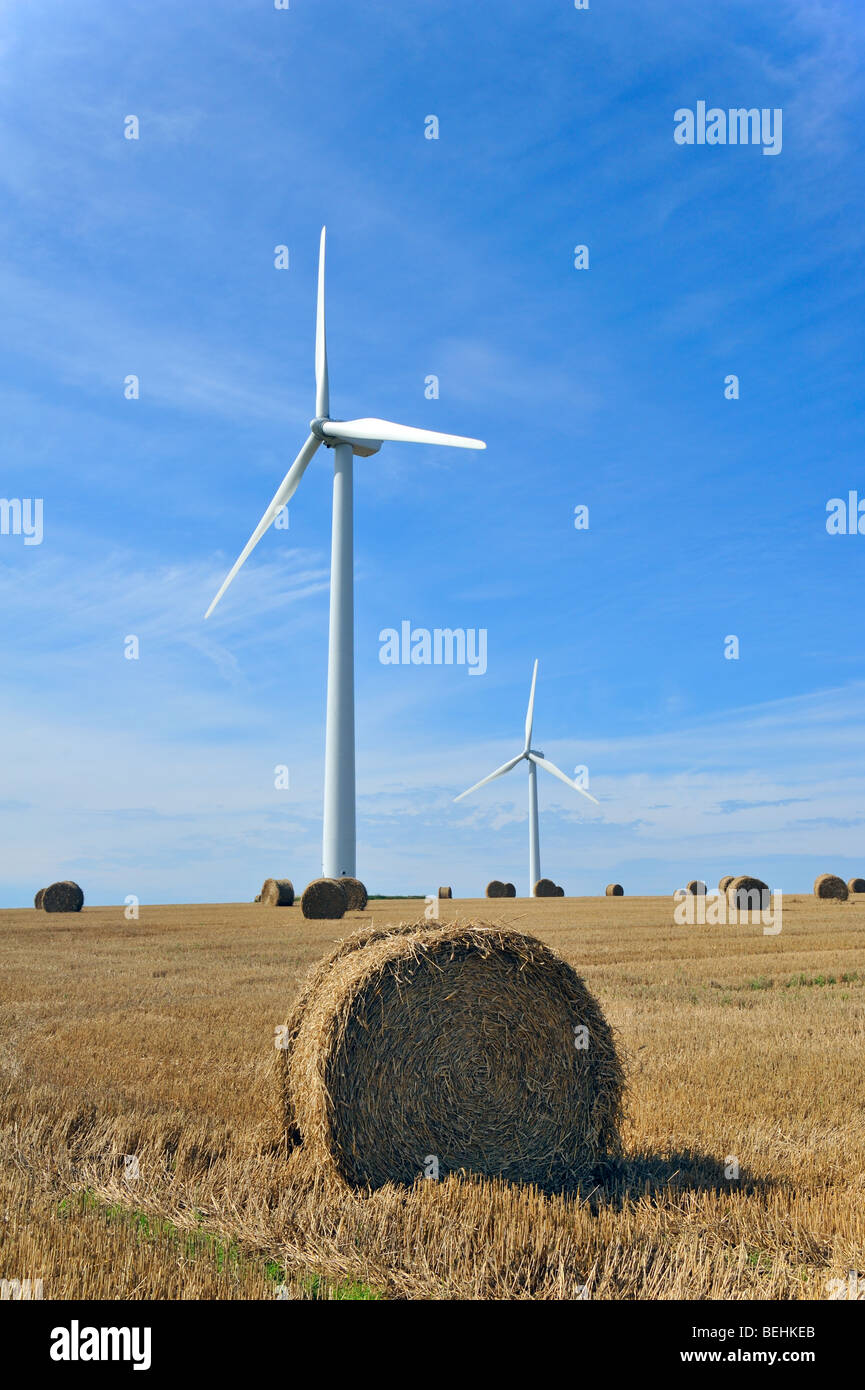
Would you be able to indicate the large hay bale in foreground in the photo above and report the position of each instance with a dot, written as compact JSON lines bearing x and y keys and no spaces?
{"x":510,"y":890}
{"x":856,"y":885}
{"x":277,"y":892}
{"x":446,"y":892}
{"x":324,"y":899}
{"x":495,"y":889}
{"x":697,"y":888}
{"x":359,"y":938}
{"x":831,"y":886}
{"x":545,"y":888}
{"x":355,"y":893}
{"x":37,"y":901}
{"x":458,"y":1042}
{"x":614,"y":890}
{"x":65,"y":896}
{"x":724,"y":883}
{"x":749,"y":894}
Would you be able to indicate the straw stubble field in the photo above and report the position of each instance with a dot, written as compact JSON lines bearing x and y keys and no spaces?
{"x":154,"y":1040}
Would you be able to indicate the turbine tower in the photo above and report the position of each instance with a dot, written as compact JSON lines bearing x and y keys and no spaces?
{"x":535,"y":759}
{"x":346,"y":438}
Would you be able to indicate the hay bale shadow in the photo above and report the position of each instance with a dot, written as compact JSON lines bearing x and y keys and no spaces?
{"x":645,"y":1174}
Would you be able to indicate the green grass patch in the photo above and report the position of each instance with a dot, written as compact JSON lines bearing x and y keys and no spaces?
{"x":802,"y":981}
{"x":317,"y":1287}
{"x":226,"y":1255}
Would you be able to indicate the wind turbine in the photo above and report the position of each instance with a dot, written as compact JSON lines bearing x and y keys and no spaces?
{"x":346,"y":438}
{"x":535,"y":759}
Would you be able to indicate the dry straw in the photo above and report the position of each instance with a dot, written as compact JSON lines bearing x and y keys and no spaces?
{"x":446,"y":892}
{"x":65,"y":896}
{"x":831,"y":886}
{"x":696,"y":888}
{"x":615,"y":890}
{"x":458,"y":1042}
{"x":355,"y":893}
{"x":560,"y":892}
{"x":317,"y":974}
{"x":496,"y":889}
{"x":856,"y":885}
{"x":510,"y":890}
{"x":277,"y":892}
{"x":324,"y":900}
{"x":37,"y":901}
{"x":724,"y":883}
{"x":545,"y":888}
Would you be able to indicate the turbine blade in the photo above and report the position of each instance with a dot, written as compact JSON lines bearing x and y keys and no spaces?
{"x":286,"y":490}
{"x":379,"y":430}
{"x":531,"y":712}
{"x":499,"y":772}
{"x":322,"y":383}
{"x":551,"y":767}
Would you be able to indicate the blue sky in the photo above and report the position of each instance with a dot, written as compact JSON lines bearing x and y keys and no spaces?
{"x":602,"y":387}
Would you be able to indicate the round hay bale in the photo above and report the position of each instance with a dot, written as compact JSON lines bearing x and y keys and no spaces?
{"x":831,"y":886}
{"x":277,"y":892}
{"x":65,"y":896}
{"x":697,"y":888}
{"x":510,"y":890}
{"x":355,"y":893}
{"x":455,"y":1041}
{"x":496,"y":889}
{"x":324,"y":900}
{"x":37,"y":901}
{"x":359,"y":938}
{"x":724,"y":883}
{"x":257,"y":898}
{"x":615,"y":890}
{"x":856,"y":885}
{"x":446,"y":892}
{"x":748,"y":894}
{"x":288,"y":1133}
{"x":560,"y":892}
{"x":545,"y":888}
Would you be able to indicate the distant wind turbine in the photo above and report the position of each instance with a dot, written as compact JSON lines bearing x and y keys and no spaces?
{"x":346,"y":438}
{"x":535,"y":759}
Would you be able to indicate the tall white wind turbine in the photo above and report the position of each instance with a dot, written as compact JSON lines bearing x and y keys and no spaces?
{"x":346,"y":438}
{"x":535,"y":759}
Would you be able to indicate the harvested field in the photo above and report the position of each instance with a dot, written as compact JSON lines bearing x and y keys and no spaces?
{"x":155,"y":1039}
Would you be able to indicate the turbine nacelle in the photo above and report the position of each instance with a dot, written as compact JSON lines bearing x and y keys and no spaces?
{"x":362,"y":448}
